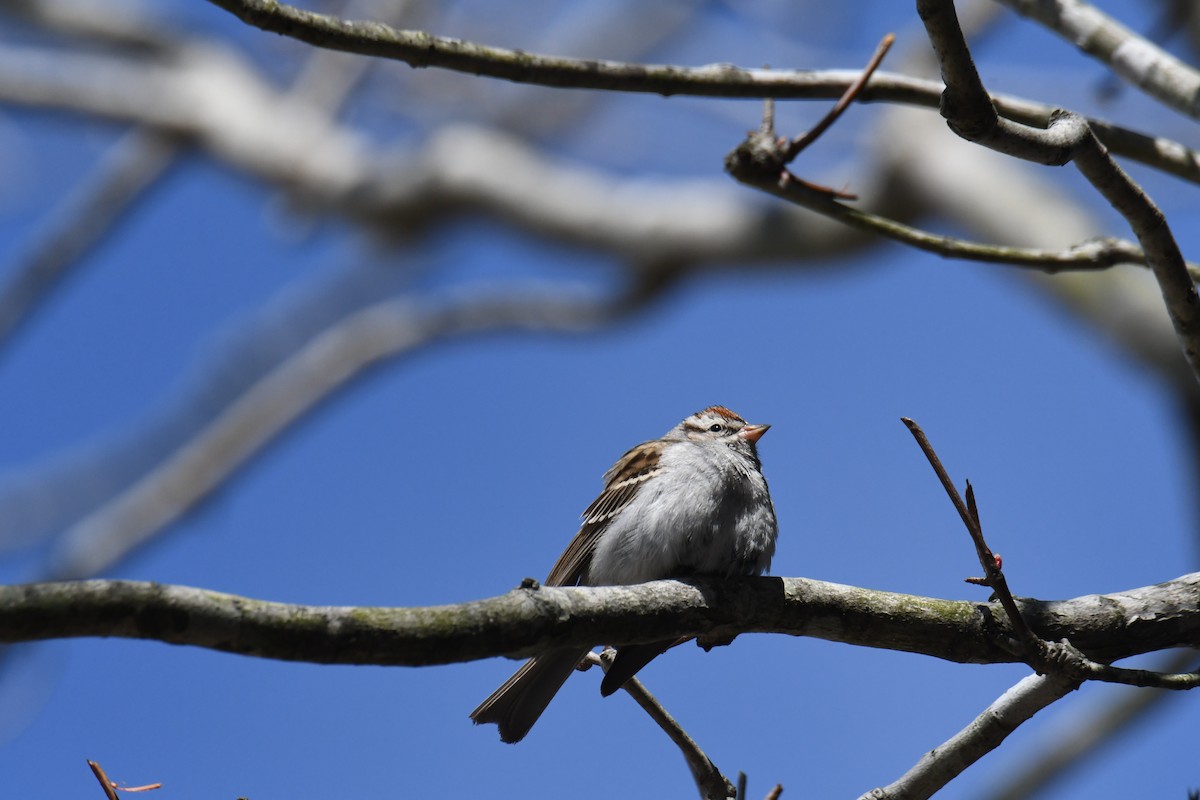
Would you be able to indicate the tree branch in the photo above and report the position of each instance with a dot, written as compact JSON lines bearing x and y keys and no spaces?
{"x":985,"y":733}
{"x":419,"y":49}
{"x":1136,"y":59}
{"x":760,"y":161}
{"x":709,"y":780}
{"x":530,"y":620}
{"x":1081,"y":738}
{"x":970,"y":113}
{"x":85,"y":218}
{"x":1061,"y":658}
{"x":329,"y":362}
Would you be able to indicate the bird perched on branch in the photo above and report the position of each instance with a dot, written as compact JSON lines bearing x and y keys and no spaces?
{"x":691,"y":503}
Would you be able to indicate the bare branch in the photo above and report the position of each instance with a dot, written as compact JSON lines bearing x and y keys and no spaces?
{"x":527,"y":621}
{"x":717,"y":80}
{"x":109,"y":787}
{"x":985,"y":733}
{"x":709,"y":780}
{"x":808,"y":137}
{"x":1135,"y":58}
{"x":420,"y":49}
{"x":292,"y":388}
{"x":760,"y":161}
{"x":993,"y":574}
{"x":971,"y":114}
{"x":90,"y":214}
{"x":1062,"y":657}
{"x":1081,"y":737}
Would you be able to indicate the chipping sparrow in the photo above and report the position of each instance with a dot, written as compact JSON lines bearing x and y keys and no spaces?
{"x":691,"y":503}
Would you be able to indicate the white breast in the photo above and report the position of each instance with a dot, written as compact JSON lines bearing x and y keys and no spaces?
{"x":704,"y":513}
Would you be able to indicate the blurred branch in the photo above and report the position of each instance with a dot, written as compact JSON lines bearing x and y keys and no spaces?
{"x":1135,"y":58}
{"x":285,"y":142}
{"x":121,"y":25}
{"x":85,"y":218}
{"x":420,"y":49}
{"x":985,"y":733}
{"x":970,"y":113}
{"x":220,"y":104}
{"x":526,"y":621}
{"x":205,"y":94}
{"x":1081,"y":737}
{"x":324,"y":364}
{"x":141,"y":156}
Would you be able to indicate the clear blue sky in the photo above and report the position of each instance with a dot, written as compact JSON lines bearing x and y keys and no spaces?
{"x":452,"y":475}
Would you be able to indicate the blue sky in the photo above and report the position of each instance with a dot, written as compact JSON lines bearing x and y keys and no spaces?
{"x":450,"y":475}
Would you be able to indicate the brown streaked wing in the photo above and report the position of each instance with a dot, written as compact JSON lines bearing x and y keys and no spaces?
{"x":621,"y":484}
{"x":575,"y":559}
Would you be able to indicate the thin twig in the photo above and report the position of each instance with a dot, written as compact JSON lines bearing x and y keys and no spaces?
{"x":111,"y":788}
{"x":852,"y":91}
{"x":789,"y":150}
{"x":994,"y":575}
{"x":759,"y":161}
{"x":713,"y":785}
{"x":765,"y":153}
{"x":1044,"y":656}
{"x":108,"y":785}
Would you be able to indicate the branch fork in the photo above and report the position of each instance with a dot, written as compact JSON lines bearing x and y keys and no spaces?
{"x":765,"y":153}
{"x":1061,"y":658}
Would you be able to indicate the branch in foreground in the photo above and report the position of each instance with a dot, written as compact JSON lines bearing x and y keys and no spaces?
{"x":419,"y":49}
{"x":527,"y":621}
{"x":761,"y":161}
{"x":994,"y":578}
{"x":1061,"y":658}
{"x":985,"y":733}
{"x":970,"y":113}
{"x":1061,"y":667}
{"x":110,"y":786}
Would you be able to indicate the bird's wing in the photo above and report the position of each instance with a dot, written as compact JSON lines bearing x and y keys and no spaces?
{"x":621,"y":484}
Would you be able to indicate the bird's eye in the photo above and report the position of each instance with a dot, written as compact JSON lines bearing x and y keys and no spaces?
{"x":716,"y":427}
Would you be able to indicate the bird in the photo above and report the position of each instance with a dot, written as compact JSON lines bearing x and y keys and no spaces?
{"x":693,"y":502}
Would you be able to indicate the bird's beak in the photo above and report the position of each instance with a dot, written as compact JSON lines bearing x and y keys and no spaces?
{"x":752,"y":433}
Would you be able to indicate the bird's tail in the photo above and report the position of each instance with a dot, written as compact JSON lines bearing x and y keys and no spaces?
{"x":516,"y":705}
